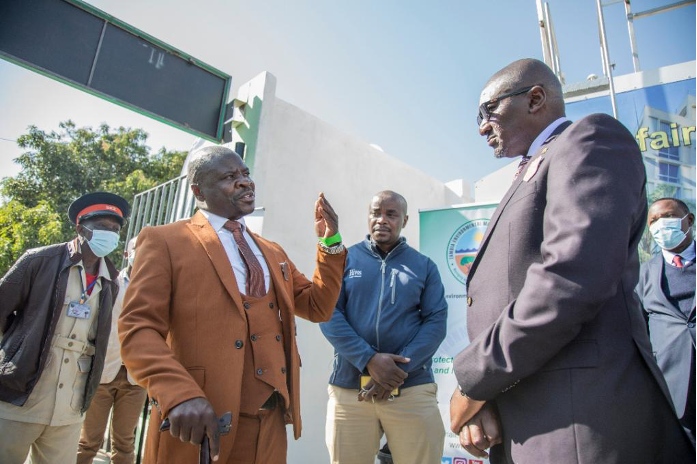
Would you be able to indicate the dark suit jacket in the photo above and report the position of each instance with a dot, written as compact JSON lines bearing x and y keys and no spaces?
{"x":558,"y":340}
{"x":183,"y":324}
{"x":672,"y":333}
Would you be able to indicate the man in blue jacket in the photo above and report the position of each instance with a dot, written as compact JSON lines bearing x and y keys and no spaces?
{"x":389,"y":321}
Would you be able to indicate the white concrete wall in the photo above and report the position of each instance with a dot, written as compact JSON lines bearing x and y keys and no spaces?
{"x":492,"y":187}
{"x":293,"y":156}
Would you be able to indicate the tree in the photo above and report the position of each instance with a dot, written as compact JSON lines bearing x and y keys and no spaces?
{"x":59,"y":166}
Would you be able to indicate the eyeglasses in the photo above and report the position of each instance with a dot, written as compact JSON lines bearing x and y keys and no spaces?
{"x":485,"y":107}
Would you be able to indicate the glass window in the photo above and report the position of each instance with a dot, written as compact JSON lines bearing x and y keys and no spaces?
{"x":670,"y":152}
{"x":669,"y":173}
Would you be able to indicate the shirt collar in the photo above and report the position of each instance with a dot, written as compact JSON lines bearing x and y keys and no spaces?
{"x":544,"y":135}
{"x":687,"y":255}
{"x":217,"y":222}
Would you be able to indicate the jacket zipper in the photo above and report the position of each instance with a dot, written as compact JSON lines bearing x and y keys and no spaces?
{"x":392,"y":284}
{"x":382,"y":292}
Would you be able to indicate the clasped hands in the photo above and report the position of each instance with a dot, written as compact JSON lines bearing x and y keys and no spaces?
{"x":385,"y":377}
{"x":475,"y":422}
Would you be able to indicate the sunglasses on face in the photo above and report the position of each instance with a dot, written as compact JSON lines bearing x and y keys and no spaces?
{"x":487,"y":106}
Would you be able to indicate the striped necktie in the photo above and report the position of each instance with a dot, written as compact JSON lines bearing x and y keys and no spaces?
{"x":255,"y":274}
{"x":523,"y":161}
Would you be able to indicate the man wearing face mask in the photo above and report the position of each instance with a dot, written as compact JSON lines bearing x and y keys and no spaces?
{"x":55,"y":318}
{"x":667,"y":292}
{"x":117,"y":390}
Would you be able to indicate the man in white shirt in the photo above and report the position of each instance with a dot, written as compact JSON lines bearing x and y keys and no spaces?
{"x":117,"y":391}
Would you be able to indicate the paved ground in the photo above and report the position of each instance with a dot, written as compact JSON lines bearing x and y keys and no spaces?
{"x":101,"y":458}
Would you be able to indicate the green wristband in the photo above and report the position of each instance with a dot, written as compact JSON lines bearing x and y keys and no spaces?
{"x":329,"y":241}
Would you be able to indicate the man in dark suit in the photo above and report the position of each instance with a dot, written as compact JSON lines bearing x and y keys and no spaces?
{"x":208,"y":324}
{"x":559,"y":358}
{"x":667,"y":293}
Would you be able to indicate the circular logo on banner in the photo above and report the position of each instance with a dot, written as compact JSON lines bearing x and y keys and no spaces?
{"x":463,"y":247}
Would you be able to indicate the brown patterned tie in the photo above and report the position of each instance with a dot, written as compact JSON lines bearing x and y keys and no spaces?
{"x":677,"y":261}
{"x":255,"y":274}
{"x":524,"y":160}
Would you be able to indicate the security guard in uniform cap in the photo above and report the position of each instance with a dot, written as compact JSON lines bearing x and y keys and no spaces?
{"x":55,"y":318}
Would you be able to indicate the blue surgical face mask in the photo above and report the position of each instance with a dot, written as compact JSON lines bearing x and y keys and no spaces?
{"x":131,"y":257}
{"x":102,"y":242}
{"x":667,"y":232}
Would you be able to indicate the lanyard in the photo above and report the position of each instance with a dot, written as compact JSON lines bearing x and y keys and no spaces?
{"x":84,"y":291}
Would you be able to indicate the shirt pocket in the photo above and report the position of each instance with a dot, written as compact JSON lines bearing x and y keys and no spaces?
{"x":84,"y":365}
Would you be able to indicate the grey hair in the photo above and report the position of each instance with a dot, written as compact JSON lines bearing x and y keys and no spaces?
{"x":201,"y":160}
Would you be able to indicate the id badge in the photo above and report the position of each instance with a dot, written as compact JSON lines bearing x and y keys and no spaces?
{"x":79,"y":310}
{"x":366,"y":378}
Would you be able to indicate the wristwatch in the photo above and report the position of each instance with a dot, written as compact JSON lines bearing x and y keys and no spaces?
{"x":332,"y":250}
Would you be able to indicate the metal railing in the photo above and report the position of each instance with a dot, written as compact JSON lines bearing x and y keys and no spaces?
{"x":162,"y":204}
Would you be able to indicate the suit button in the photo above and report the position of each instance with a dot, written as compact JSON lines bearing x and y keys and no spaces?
{"x":253,"y":337}
{"x":278,"y":338}
{"x":239,"y":344}
{"x":271,"y":305}
{"x":469,"y":301}
{"x":260,"y":371}
{"x":246,"y":305}
{"x":72,"y":336}
{"x":283,"y":370}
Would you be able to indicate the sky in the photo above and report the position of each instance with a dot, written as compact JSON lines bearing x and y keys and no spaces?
{"x":403,"y":74}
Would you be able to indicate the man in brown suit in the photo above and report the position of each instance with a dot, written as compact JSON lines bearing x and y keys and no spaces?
{"x":207,"y":328}
{"x":559,"y":351}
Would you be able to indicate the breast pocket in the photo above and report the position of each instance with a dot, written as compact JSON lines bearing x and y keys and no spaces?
{"x":84,"y":365}
{"x":525,"y":192}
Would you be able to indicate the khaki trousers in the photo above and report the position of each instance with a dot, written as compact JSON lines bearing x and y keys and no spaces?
{"x":411,"y":422}
{"x":127,"y":401}
{"x":49,"y":444}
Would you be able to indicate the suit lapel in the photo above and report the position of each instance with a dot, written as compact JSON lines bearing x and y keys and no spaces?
{"x":657,"y":266}
{"x":492,"y":224}
{"x":657,"y":269}
{"x":514,"y":187}
{"x":208,"y":238}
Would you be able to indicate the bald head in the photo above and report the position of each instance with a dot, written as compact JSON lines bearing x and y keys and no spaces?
{"x":517,"y":104}
{"x":528,"y":72}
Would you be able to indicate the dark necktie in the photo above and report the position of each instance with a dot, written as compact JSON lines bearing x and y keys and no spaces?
{"x":524,"y":160}
{"x":255,"y":274}
{"x":677,"y":261}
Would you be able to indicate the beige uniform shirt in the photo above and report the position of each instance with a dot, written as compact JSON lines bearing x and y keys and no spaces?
{"x":58,"y":395}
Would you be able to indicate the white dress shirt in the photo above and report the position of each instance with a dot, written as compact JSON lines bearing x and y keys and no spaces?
{"x":233,"y":253}
{"x":687,"y":255}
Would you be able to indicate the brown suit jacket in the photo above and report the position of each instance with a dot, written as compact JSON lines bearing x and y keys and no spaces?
{"x":183,"y":324}
{"x":558,"y":340}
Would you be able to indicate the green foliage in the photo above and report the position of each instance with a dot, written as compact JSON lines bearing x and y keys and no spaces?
{"x":59,"y":166}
